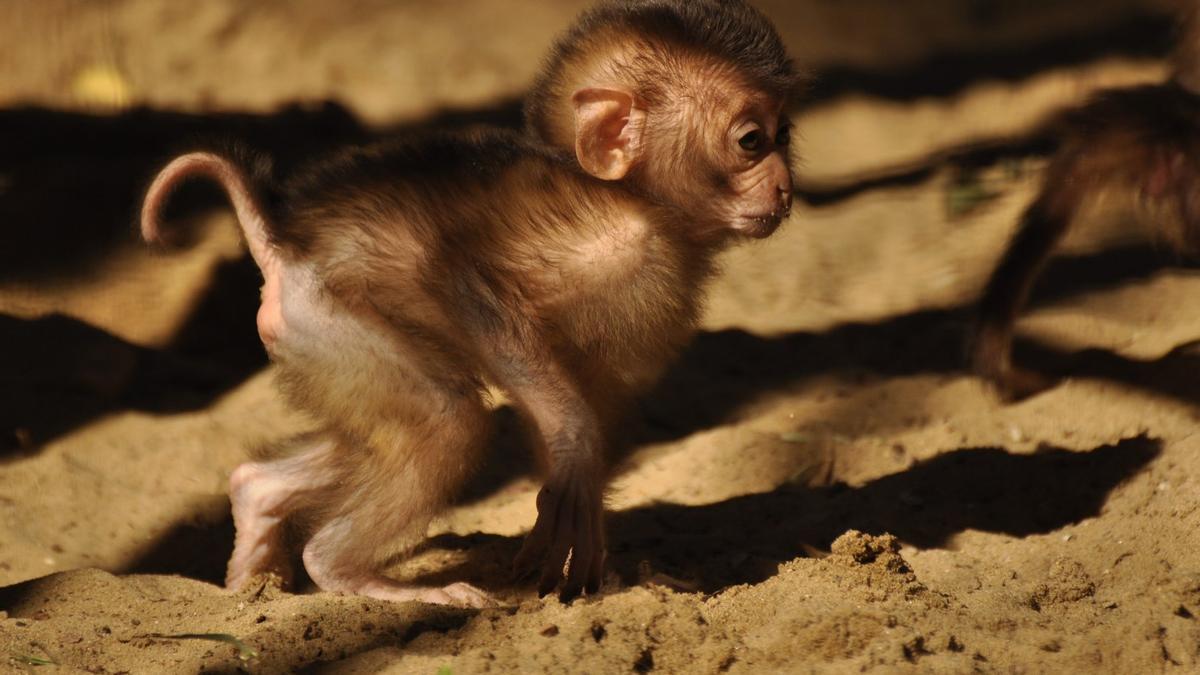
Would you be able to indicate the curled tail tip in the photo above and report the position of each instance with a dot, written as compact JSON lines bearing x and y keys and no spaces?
{"x":152,"y":203}
{"x":175,"y":171}
{"x":150,"y":231}
{"x":233,"y":173}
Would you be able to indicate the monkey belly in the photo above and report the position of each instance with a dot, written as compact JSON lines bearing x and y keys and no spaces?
{"x":346,"y":369}
{"x":637,"y":329}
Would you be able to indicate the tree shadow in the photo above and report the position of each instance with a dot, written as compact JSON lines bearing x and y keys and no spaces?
{"x":70,"y":188}
{"x":744,"y":539}
{"x":60,"y":372}
{"x":71,"y":183}
{"x":1143,"y":33}
{"x":720,"y":372}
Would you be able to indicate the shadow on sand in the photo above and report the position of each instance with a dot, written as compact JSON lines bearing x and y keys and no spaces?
{"x":70,"y":188}
{"x":743,"y":540}
{"x":70,"y":185}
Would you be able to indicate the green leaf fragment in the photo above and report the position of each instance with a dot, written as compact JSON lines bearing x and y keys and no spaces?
{"x":968,"y":194}
{"x":33,"y":660}
{"x":245,"y":651}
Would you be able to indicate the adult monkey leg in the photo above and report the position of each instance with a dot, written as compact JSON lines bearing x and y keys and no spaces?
{"x":1042,"y":227}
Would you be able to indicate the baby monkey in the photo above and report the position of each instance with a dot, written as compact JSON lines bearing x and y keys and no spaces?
{"x":400,"y":278}
{"x":1134,"y":151}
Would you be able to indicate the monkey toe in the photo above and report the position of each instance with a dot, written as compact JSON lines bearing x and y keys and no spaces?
{"x":382,"y":588}
{"x":257,"y":556}
{"x":466,"y":595}
{"x":239,"y":576}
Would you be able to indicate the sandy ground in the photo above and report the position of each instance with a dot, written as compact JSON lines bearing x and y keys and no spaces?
{"x":816,"y":487}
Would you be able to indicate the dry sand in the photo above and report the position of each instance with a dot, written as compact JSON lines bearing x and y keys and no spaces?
{"x":817,"y":487}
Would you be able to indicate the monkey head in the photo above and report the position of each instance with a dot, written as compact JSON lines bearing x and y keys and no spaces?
{"x":681,"y":100}
{"x":716,"y":152}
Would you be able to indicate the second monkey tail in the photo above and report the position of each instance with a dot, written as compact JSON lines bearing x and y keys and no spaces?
{"x":243,"y":177}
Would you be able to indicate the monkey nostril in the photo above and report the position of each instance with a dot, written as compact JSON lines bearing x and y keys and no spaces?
{"x":785,"y":202}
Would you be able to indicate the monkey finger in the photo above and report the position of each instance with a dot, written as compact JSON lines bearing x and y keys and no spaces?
{"x":538,"y":540}
{"x":582,"y":551}
{"x":552,"y":566}
{"x":596,"y":568}
{"x":596,"y":573}
{"x":529,"y":558}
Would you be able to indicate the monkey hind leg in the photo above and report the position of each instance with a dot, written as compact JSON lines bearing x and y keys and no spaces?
{"x":333,"y":564}
{"x":405,"y":476}
{"x":263,"y":495}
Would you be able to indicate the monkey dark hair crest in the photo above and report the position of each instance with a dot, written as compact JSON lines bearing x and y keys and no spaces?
{"x":728,"y":31}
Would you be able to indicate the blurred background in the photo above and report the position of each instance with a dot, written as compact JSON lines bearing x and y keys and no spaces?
{"x":919,"y":143}
{"x":825,"y":391}
{"x":95,"y":94}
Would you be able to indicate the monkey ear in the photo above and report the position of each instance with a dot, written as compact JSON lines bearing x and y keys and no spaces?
{"x":607,"y":131}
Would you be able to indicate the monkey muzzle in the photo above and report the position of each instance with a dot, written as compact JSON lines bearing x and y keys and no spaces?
{"x":761,"y":227}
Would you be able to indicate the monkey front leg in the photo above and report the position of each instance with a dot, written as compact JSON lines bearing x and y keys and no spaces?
{"x":570,"y":517}
{"x":570,"y":505}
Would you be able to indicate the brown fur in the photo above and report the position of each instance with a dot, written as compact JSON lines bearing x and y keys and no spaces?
{"x":1134,"y":151}
{"x":400,"y":278}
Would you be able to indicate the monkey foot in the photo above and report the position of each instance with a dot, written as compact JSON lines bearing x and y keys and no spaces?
{"x":249,"y":562}
{"x":258,"y":543}
{"x":991,"y":359}
{"x":1018,"y":384}
{"x":257,"y":550}
{"x":459,"y":594}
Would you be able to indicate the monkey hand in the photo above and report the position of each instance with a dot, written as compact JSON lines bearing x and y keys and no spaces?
{"x":570,"y":521}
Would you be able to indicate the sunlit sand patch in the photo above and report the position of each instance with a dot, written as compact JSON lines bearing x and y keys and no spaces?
{"x":101,"y":85}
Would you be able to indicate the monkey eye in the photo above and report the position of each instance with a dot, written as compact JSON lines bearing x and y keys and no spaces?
{"x":784,"y":135}
{"x":751,"y":141}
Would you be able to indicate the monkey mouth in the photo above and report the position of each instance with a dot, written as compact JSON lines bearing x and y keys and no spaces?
{"x":760,"y":227}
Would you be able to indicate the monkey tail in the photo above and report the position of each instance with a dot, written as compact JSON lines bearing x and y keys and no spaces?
{"x":245,"y":195}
